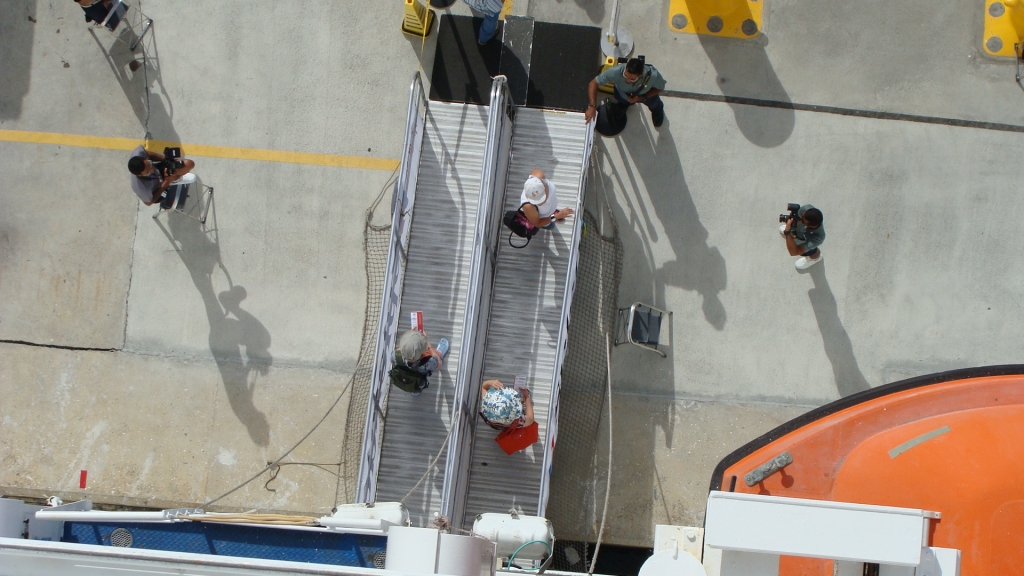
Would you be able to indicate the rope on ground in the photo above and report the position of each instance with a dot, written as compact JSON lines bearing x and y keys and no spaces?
{"x":434,"y":461}
{"x":608,"y":482}
{"x":290,"y":450}
{"x":320,"y":465}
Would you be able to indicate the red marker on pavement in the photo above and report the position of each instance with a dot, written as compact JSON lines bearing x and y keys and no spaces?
{"x":81,"y":478}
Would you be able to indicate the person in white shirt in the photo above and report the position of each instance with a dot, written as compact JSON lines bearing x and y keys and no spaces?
{"x":539,"y":202}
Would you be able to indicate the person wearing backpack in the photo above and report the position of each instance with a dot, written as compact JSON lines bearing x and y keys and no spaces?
{"x":416,"y":361}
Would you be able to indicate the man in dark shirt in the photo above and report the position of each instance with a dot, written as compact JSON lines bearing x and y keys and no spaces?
{"x":149,"y":181}
{"x":95,"y":10}
{"x":804,"y":234}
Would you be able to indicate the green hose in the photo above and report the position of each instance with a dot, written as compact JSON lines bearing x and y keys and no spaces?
{"x":513,"y":556}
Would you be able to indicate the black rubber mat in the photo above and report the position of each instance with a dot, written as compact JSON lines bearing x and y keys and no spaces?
{"x":463,"y":68}
{"x":564,"y":60}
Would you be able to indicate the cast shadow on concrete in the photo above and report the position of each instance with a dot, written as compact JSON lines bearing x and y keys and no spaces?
{"x":838,"y":347}
{"x":594,"y":9}
{"x":614,"y":202}
{"x":698,"y":266}
{"x":138,"y":74}
{"x":239,"y":342}
{"x":743,"y":71}
{"x":17,"y":30}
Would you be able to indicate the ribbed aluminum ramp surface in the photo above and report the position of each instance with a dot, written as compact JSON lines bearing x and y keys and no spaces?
{"x":436,"y":276}
{"x":526,"y":309}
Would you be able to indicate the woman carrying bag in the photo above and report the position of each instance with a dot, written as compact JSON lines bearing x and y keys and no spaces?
{"x":511,"y":411}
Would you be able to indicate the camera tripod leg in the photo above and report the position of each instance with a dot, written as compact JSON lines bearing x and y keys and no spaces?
{"x":206,"y":211}
{"x":145,"y":28}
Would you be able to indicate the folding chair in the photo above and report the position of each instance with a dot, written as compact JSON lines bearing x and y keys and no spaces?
{"x":118,"y":11}
{"x":177,"y":195}
{"x":640,"y":324}
{"x":1018,"y":51}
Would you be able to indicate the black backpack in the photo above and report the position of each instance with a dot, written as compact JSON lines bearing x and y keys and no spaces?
{"x":519,"y":224}
{"x":405,"y":377}
{"x":611,"y":119}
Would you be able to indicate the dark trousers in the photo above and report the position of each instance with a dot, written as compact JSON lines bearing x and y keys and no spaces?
{"x":655,"y":105}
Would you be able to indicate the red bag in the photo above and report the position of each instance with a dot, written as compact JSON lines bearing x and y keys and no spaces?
{"x":515,"y":439}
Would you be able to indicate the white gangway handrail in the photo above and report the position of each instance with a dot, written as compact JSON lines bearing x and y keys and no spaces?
{"x":391,"y":301}
{"x":551,"y":435}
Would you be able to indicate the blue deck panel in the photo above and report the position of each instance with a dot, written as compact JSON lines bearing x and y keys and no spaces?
{"x":241,"y":541}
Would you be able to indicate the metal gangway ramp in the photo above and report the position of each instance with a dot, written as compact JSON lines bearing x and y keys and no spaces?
{"x":529,"y":312}
{"x":435,"y":216}
{"x":504,"y":310}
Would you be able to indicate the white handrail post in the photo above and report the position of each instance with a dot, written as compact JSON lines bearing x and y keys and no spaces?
{"x":616,"y":42}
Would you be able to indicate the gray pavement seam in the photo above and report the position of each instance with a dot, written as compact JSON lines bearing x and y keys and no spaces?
{"x":873,"y":114}
{"x":728,"y":402}
{"x":344,"y":369}
{"x":58,"y":346}
{"x":128,"y":288}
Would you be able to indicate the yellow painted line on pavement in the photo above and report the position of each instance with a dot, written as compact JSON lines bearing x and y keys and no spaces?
{"x":105,"y":143}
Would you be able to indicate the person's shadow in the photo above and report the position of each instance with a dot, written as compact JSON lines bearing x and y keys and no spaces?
{"x":743,"y":70}
{"x":698,"y":266}
{"x":138,"y":74}
{"x":17,"y":28}
{"x":838,"y":347}
{"x":240,"y":344}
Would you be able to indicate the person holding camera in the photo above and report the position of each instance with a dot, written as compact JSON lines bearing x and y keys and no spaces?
{"x":804,"y":233}
{"x":95,"y":10}
{"x":635,"y":81}
{"x":153,"y":173}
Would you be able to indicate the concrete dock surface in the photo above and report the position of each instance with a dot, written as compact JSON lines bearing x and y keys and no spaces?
{"x":173,"y":361}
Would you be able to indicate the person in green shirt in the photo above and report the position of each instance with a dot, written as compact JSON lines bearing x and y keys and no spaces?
{"x":635,"y":81}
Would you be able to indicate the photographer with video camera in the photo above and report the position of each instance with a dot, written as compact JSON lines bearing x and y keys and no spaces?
{"x":153,"y":173}
{"x":804,"y":233}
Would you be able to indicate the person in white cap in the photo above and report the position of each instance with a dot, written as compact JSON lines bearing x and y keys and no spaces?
{"x":539,"y":202}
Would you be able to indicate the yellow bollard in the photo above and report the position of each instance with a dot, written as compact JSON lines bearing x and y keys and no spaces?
{"x":732,"y":18}
{"x":608,"y":88}
{"x":418,"y":19}
{"x":1004,"y":27}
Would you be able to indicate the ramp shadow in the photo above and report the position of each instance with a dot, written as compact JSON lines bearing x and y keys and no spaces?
{"x":743,"y":70}
{"x":579,"y":467}
{"x":239,"y":342}
{"x":838,"y":347}
{"x":463,"y":68}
